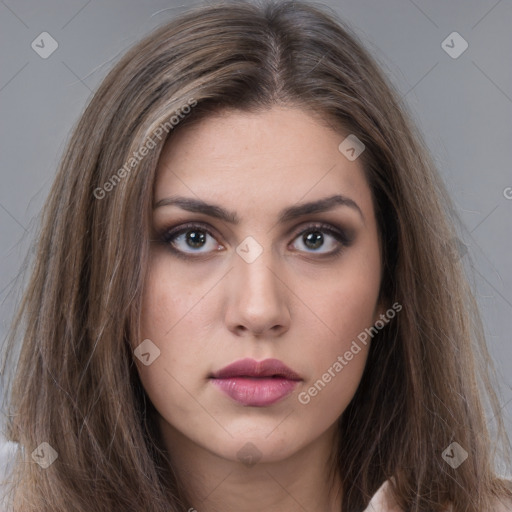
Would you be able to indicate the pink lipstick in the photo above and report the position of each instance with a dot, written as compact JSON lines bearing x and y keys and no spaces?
{"x":256,"y":383}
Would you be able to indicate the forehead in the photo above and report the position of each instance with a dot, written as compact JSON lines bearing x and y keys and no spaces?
{"x":277,"y":156}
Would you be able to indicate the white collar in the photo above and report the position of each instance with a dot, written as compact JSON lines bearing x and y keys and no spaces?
{"x":382,"y":501}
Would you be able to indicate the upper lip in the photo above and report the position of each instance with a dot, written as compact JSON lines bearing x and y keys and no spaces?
{"x":252,"y":368}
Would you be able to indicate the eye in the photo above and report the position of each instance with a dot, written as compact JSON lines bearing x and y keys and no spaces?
{"x":196,"y":239}
{"x":191,"y":239}
{"x":314,"y":238}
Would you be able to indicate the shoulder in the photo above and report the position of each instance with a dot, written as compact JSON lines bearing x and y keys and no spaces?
{"x":503,"y":506}
{"x":382,"y":501}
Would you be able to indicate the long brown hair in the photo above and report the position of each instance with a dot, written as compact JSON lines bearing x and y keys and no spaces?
{"x":75,"y":385}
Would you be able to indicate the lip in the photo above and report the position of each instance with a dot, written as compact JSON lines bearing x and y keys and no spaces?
{"x":256,"y":383}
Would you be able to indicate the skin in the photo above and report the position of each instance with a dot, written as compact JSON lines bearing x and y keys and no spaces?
{"x":208,"y":311}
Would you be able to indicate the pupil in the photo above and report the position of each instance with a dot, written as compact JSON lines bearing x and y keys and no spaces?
{"x":313,"y":239}
{"x":195,"y":238}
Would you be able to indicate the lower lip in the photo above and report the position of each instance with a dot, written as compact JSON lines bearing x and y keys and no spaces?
{"x":256,"y":392}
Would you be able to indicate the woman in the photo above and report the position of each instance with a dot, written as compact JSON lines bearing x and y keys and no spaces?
{"x":245,"y":294}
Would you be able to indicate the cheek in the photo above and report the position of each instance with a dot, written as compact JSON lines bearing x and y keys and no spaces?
{"x":347,"y":309}
{"x":335,"y":371}
{"x":175,"y":306}
{"x":348,"y":304}
{"x":337,"y":368}
{"x":169,"y":299}
{"x":163,"y":314}
{"x":322,"y":401}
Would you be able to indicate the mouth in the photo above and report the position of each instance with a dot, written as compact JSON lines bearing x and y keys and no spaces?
{"x":256,"y":384}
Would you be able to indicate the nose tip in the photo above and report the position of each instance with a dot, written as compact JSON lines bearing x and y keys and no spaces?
{"x":258,"y":299}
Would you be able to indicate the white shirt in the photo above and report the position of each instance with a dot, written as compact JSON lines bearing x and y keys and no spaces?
{"x":382,"y":501}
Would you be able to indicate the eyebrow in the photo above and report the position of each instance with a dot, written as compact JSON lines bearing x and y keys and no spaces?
{"x":290,"y":213}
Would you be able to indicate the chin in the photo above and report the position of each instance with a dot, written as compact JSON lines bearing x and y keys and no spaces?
{"x":260,"y":444}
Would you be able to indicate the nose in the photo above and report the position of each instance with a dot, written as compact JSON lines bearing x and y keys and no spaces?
{"x":258,"y":304}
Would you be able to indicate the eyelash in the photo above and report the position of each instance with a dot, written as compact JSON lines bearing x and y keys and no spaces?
{"x":166,"y":236}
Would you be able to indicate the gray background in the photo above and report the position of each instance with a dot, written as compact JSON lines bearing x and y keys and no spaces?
{"x":463,"y":107}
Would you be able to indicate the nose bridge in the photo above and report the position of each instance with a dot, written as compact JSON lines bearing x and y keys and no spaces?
{"x":258,"y":300}
{"x":255,"y":267}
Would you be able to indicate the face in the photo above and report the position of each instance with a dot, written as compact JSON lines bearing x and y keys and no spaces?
{"x":273,"y":270}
